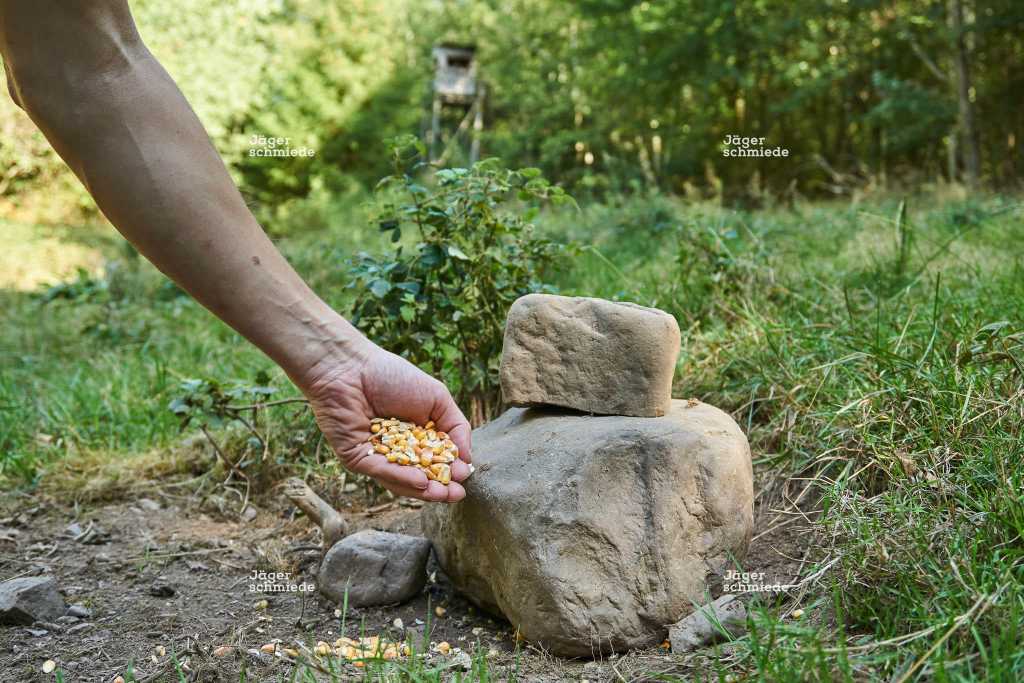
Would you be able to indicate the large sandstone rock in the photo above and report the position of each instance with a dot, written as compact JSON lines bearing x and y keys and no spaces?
{"x":30,"y":599}
{"x":594,"y":533}
{"x":375,"y":567}
{"x":592,"y":355}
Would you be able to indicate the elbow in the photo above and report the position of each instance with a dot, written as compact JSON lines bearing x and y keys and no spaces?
{"x":25,"y":85}
{"x":12,"y":88}
{"x":59,"y":92}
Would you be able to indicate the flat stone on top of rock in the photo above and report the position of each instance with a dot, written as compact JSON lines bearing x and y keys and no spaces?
{"x":376,"y":567}
{"x":593,"y":355}
{"x":30,"y":599}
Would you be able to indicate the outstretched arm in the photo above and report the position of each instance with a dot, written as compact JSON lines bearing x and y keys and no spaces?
{"x":81,"y":72}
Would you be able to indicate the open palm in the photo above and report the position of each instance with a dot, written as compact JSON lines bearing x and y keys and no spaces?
{"x":344,"y":400}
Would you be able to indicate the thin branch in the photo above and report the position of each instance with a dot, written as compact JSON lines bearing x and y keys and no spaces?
{"x":227,"y":461}
{"x":919,"y":51}
{"x":279,"y":402}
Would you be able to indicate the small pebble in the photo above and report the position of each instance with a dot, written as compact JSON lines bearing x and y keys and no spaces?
{"x":161,"y":590}
{"x":462,"y":661}
{"x":80,"y":611}
{"x":48,"y":666}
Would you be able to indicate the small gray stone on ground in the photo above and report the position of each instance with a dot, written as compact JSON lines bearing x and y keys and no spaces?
{"x":29,"y":599}
{"x":148,"y":504}
{"x":706,"y":624}
{"x":461,"y":661}
{"x":376,"y":567}
{"x":80,"y":611}
{"x":591,"y":355}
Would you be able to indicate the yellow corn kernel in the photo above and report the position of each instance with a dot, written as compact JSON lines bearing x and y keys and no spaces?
{"x":429,"y":425}
{"x":381,"y":448}
{"x":375,"y":427}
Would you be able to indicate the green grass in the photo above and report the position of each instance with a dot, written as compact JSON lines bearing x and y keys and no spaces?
{"x":874,"y":351}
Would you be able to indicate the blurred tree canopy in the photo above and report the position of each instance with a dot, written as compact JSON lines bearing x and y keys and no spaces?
{"x":602,"y":95}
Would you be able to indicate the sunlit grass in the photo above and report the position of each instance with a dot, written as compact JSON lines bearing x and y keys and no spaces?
{"x":879,"y":354}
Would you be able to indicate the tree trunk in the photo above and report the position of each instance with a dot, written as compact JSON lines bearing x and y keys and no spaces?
{"x":967,"y":126}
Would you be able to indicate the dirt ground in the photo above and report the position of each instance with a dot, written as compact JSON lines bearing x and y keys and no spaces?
{"x":165,"y":576}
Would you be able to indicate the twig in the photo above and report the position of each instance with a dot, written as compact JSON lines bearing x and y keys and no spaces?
{"x":268,"y":404}
{"x":170,"y":556}
{"x":234,"y":469}
{"x":227,"y":461}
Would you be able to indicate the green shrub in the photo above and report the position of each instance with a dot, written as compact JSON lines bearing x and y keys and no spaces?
{"x":441,"y":301}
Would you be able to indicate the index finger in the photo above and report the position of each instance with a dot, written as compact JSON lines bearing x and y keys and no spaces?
{"x":450,"y":419}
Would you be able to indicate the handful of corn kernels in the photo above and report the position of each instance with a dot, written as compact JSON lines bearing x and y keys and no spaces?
{"x":408,"y":444}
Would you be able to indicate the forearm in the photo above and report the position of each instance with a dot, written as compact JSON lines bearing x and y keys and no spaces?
{"x":122,"y":125}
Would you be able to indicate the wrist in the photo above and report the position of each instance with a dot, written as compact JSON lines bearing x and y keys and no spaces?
{"x":329,"y":347}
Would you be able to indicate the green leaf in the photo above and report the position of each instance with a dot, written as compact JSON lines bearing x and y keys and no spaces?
{"x":455,"y":252}
{"x":178,"y":406}
{"x":408,"y":313}
{"x":380,"y":288}
{"x":432,"y":255}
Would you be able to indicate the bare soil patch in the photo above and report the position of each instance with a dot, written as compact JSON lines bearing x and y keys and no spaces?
{"x":166,"y":575}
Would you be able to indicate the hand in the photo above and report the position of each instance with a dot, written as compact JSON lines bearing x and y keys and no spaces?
{"x":347,"y":395}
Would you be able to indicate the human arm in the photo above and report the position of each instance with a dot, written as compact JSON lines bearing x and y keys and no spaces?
{"x":84,"y":76}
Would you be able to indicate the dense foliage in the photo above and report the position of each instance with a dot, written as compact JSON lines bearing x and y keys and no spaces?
{"x":603,"y":94}
{"x":441,"y":301}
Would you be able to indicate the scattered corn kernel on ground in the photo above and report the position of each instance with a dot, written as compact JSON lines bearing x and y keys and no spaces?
{"x":352,"y":649}
{"x":411,"y":445}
